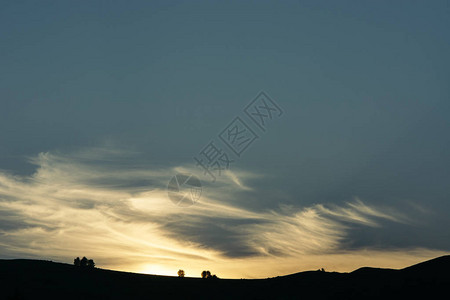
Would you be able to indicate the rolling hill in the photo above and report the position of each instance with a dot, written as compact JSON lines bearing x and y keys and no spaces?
{"x":36,"y":279}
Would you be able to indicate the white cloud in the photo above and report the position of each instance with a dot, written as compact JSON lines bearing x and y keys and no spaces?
{"x":84,"y":204}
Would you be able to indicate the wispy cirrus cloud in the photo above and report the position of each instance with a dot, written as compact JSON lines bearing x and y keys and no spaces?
{"x":99,"y":203}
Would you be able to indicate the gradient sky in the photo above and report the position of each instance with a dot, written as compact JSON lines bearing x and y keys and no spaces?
{"x":102,"y":102}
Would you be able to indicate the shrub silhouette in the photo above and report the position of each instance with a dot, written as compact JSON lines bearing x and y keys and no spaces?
{"x":207,"y":275}
{"x":180,"y":273}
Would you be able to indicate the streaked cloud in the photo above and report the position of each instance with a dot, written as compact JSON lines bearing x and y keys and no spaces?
{"x":119,"y":213}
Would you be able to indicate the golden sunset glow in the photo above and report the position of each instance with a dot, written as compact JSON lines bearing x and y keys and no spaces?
{"x":293,"y":141}
{"x":65,"y":214}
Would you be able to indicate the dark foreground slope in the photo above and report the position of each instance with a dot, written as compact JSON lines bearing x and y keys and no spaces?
{"x":32,"y":279}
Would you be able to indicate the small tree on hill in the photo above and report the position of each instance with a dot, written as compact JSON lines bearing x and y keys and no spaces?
{"x":207,"y":275}
{"x":76,"y":261}
{"x":83,"y":262}
{"x":180,"y":273}
{"x":91,"y":263}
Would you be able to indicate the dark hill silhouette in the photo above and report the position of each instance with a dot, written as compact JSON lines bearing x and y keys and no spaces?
{"x":35,"y":279}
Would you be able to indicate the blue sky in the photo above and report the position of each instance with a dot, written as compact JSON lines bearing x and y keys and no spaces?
{"x":101,"y":103}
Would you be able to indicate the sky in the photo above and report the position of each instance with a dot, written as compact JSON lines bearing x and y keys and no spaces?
{"x":102,"y":103}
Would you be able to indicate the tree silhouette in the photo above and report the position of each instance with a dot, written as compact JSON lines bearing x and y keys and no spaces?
{"x":91,"y":263}
{"x":206,"y":274}
{"x":83,"y":262}
{"x":180,"y":273}
{"x":76,"y":261}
